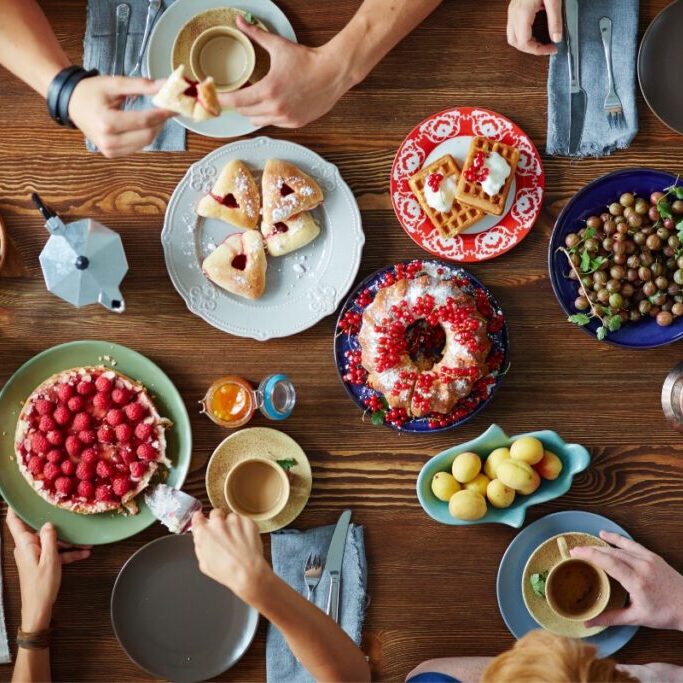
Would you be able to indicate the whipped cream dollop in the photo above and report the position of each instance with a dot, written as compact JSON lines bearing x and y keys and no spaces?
{"x":440,"y":195}
{"x":498,"y":172}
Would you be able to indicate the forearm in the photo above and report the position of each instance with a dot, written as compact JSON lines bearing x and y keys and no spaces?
{"x":28,"y":46}
{"x":315,"y":640}
{"x":32,"y":666}
{"x":375,"y":29}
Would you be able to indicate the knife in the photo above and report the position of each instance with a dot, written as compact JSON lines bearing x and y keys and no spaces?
{"x":333,"y":563}
{"x":577,"y":95}
{"x":121,"y":37}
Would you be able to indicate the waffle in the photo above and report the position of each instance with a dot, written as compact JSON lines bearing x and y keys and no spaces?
{"x":460,"y":216}
{"x":472,"y":193}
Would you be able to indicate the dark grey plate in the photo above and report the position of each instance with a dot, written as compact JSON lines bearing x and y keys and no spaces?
{"x":659,"y":60}
{"x":173,"y":621}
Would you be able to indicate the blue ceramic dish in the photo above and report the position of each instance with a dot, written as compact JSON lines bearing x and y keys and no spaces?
{"x":511,"y":570}
{"x":345,"y":342}
{"x":591,"y":200}
{"x":574,"y":458}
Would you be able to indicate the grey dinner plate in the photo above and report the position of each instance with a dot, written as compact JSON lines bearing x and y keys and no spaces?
{"x":660,"y":57}
{"x":173,"y":621}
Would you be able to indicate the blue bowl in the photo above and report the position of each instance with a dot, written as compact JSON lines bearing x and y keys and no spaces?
{"x":591,"y":200}
{"x":348,"y":342}
{"x":574,"y":459}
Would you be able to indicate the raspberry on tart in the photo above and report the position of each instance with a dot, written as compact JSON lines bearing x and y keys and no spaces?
{"x":198,"y":101}
{"x":85,"y":459}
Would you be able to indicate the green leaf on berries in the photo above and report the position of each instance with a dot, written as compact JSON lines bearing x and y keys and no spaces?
{"x":613,"y":323}
{"x":377,"y":418}
{"x":579,"y":319}
{"x":590,"y":233}
{"x":664,"y":208}
{"x":585,"y":264}
{"x":384,"y":402}
{"x":601,"y":332}
{"x":676,"y":189}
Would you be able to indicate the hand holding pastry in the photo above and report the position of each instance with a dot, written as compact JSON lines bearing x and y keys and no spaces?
{"x":95,"y":109}
{"x":655,"y":588}
{"x":302,"y":85}
{"x":521,"y":16}
{"x":39,"y":562}
{"x":230,"y":551}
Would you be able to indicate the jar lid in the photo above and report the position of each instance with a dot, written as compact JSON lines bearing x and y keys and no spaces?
{"x":276,"y":397}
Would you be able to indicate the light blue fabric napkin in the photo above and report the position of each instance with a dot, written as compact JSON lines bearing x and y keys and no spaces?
{"x":598,"y":138}
{"x":289,"y":550}
{"x":98,"y":53}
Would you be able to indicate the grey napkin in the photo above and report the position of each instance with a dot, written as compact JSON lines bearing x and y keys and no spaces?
{"x":289,"y":550}
{"x":98,"y":53}
{"x":4,"y":646}
{"x":598,"y":138}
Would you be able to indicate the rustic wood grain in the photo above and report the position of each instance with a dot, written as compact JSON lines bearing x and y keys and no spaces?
{"x":432,"y":587}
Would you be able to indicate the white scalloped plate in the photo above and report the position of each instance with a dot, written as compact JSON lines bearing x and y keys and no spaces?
{"x":302,"y":287}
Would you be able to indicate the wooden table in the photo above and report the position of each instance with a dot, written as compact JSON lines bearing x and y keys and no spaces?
{"x":432,"y":587}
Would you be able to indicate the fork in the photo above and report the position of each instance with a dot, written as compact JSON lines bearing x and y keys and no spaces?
{"x":612,"y":107}
{"x":152,"y":12}
{"x":313,"y":570}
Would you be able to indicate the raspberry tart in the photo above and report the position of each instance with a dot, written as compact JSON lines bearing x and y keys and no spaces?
{"x":287,"y":236}
{"x":287,"y":191}
{"x":196,"y":100}
{"x":90,"y":440}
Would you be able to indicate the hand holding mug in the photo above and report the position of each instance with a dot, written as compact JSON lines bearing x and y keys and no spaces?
{"x":655,"y":588}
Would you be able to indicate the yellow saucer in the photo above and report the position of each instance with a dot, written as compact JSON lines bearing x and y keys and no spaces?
{"x":264,"y":443}
{"x":544,"y":558}
{"x":221,"y":16}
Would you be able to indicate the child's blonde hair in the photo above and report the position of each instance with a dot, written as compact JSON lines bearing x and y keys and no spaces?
{"x":541,"y":657}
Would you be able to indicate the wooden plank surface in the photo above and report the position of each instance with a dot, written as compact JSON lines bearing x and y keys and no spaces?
{"x":432,"y":587}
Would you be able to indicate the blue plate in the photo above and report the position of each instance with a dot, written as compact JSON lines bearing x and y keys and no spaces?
{"x":511,"y":570}
{"x":574,"y":459}
{"x":344,"y":343}
{"x":591,"y":200}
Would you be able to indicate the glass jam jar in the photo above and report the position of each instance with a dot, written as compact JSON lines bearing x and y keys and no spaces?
{"x":231,"y":401}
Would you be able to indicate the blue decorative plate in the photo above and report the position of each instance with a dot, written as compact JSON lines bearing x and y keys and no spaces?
{"x":347,"y":343}
{"x":511,"y":569}
{"x":591,"y":200}
{"x":574,"y":459}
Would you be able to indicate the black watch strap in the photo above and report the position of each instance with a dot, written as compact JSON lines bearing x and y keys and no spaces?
{"x":60,"y":91}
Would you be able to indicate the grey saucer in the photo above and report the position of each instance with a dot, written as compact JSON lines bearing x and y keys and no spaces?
{"x":660,"y":55}
{"x":173,"y":621}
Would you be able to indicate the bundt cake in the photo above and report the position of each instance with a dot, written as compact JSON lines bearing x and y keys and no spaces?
{"x":423,"y":380}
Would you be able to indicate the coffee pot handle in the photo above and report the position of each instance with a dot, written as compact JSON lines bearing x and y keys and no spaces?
{"x":564,"y":550}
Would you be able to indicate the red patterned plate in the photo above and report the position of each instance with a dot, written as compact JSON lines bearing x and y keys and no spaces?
{"x":450,"y":132}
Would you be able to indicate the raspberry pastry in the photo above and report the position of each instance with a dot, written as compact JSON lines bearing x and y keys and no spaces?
{"x":287,"y":191}
{"x":197,"y":101}
{"x":290,"y":235}
{"x":239,"y":265}
{"x":234,"y":198}
{"x":89,"y":440}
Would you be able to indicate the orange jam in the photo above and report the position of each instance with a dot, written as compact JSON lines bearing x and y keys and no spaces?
{"x":229,"y":401}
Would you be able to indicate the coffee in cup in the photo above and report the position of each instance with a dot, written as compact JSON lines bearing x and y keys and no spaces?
{"x":576,"y":589}
{"x":257,"y":488}
{"x":224,"y":53}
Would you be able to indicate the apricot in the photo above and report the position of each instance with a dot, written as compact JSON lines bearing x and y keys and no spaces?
{"x":467,"y":505}
{"x":466,"y":467}
{"x":495,"y":458}
{"x":444,"y":486}
{"x":527,"y":449}
{"x":478,"y":484}
{"x":550,"y":466}
{"x":499,"y":495}
{"x":519,"y":476}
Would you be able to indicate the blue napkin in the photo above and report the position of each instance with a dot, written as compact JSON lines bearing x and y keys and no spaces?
{"x":598,"y":138}
{"x":98,"y":53}
{"x":289,"y":550}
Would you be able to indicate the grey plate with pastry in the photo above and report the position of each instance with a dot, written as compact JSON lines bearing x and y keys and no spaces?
{"x":262,"y":238}
{"x":181,"y":24}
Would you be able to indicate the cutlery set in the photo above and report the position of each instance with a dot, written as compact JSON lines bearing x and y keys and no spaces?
{"x":313,"y":567}
{"x":121,"y":37}
{"x":578,"y":97}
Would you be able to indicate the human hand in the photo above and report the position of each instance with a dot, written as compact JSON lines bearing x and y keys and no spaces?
{"x":95,"y":108}
{"x":230,"y":551}
{"x":303,"y":83}
{"x":655,"y":588}
{"x":39,"y":563}
{"x":521,"y":15}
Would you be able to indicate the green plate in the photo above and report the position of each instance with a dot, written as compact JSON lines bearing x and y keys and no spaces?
{"x":107,"y":527}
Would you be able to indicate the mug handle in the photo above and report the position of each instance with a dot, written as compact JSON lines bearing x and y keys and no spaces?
{"x":564,"y":550}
